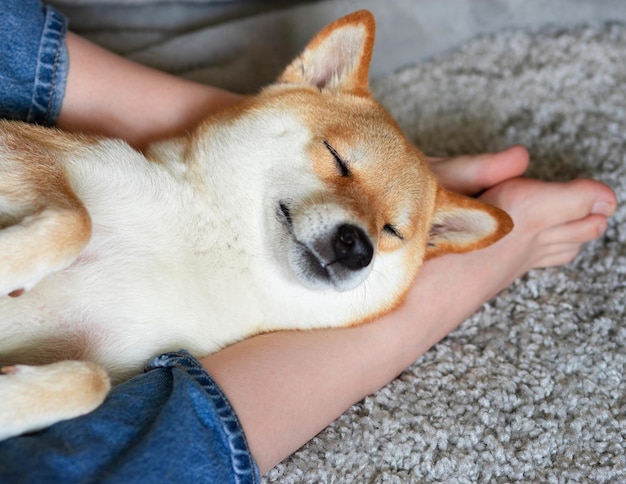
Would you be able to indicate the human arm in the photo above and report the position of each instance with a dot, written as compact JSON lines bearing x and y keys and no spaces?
{"x":109,"y":95}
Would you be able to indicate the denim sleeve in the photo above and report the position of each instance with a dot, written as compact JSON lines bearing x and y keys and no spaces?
{"x":33,"y":61}
{"x":170,"y":424}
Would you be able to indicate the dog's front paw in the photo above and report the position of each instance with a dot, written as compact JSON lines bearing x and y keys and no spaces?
{"x":40,"y":244}
{"x":34,"y":397}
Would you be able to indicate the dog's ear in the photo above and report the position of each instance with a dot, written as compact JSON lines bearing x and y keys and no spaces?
{"x":338,"y":58}
{"x":462,"y":224}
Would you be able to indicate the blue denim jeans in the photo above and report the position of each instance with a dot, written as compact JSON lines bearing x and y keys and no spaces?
{"x":170,"y":424}
{"x":33,"y":61}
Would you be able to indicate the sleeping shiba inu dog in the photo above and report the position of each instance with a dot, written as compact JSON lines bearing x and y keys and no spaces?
{"x":301,"y":207}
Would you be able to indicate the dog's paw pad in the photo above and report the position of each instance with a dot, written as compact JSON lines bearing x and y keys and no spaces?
{"x":17,"y":292}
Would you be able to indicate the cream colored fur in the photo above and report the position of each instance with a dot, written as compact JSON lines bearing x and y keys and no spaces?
{"x":301,"y":207}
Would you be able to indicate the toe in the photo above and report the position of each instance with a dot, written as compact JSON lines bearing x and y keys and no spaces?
{"x":576,"y":232}
{"x":471,"y":174}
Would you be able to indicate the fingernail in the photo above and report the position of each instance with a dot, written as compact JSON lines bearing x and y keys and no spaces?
{"x":602,"y":208}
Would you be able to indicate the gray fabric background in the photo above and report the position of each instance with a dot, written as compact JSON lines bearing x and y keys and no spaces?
{"x":531,"y":388}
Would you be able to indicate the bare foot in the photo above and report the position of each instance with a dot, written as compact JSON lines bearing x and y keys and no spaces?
{"x":552,"y":220}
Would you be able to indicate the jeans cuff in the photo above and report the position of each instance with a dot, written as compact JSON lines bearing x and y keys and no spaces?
{"x":243,"y":464}
{"x":51,"y":70}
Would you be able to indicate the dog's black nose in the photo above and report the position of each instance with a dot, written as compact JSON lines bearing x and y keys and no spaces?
{"x":352,"y":247}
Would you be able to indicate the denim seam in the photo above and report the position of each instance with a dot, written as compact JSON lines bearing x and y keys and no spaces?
{"x":54,"y":76}
{"x":47,"y":77}
{"x":231,"y":425}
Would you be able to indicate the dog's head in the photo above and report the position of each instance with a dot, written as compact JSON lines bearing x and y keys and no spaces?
{"x":361,"y":191}
{"x":350,"y":208}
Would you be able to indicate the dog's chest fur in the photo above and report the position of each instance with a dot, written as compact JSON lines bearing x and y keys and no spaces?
{"x":157,"y":272}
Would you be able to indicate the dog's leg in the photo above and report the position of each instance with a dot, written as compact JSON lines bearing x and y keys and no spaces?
{"x":39,"y":244}
{"x":34,"y":397}
{"x":43,"y":224}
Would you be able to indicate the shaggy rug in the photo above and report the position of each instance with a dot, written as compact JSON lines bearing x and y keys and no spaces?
{"x":532,"y":387}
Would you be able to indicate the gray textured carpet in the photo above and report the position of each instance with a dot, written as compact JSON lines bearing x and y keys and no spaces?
{"x":532,"y":387}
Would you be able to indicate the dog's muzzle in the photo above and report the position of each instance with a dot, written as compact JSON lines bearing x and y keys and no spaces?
{"x":339,"y":256}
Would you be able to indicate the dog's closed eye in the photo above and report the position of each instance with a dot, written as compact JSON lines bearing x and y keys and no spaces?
{"x":344,"y":170}
{"x":392,"y":230}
